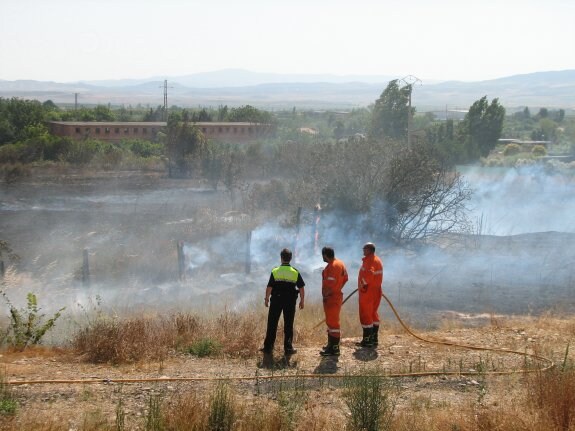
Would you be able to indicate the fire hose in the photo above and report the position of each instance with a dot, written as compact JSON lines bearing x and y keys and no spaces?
{"x":549,"y":362}
{"x":259,"y":377}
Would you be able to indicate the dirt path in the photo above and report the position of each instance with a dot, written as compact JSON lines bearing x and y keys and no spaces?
{"x":397,"y":353}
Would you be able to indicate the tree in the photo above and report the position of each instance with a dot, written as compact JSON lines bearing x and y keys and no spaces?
{"x":16,"y":116}
{"x":481,"y":128}
{"x":543,"y":113}
{"x":155,"y":115}
{"x":394,"y":192}
{"x":223,"y":113}
{"x":339,"y":130}
{"x":103,"y":113}
{"x":546,"y":130}
{"x":390,"y":113}
{"x":249,"y":114}
{"x":185,"y":146}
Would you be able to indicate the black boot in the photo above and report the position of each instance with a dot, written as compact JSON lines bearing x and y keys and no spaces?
{"x":332,"y":348}
{"x":367,"y":340}
{"x":288,"y":348}
{"x":374,"y":338}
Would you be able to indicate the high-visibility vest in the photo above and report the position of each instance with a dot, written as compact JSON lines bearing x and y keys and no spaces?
{"x":285,"y":273}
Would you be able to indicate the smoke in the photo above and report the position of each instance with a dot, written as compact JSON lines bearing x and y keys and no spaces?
{"x":518,"y":259}
{"x":521,"y":200}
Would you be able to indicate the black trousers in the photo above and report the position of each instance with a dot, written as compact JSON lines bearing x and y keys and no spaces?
{"x":279,"y":305}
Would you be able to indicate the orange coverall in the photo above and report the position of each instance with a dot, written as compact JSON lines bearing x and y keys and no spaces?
{"x":334,"y":276}
{"x":369,"y":281}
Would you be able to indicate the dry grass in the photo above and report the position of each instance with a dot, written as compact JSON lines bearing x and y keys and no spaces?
{"x":135,"y":339}
{"x":553,"y":395}
{"x":538,"y":401}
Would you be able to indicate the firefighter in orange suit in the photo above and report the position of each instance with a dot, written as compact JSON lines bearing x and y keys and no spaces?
{"x":334,"y":276}
{"x":369,"y":281}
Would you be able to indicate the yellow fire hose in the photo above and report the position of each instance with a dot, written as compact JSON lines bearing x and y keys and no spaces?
{"x":549,"y":365}
{"x":549,"y":362}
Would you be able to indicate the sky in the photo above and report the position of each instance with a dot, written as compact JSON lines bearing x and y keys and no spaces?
{"x":467,"y":40}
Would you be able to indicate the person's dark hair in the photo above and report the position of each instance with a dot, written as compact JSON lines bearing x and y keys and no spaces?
{"x":369,"y":245}
{"x":286,"y":255}
{"x":328,"y":252}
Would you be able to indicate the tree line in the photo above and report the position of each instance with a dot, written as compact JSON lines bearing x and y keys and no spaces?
{"x":365,"y":163}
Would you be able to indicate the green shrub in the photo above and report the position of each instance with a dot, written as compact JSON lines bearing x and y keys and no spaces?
{"x":205,"y":347}
{"x":8,"y":403}
{"x":511,"y":149}
{"x":27,"y":326}
{"x":539,"y":151}
{"x":143,"y":148}
{"x":371,"y":402}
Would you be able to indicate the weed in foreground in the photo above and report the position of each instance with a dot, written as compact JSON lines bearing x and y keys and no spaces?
{"x":8,"y":403}
{"x":155,"y":417}
{"x":371,"y":399}
{"x":222,"y":409}
{"x":553,"y":393}
{"x":120,"y":415}
{"x":291,"y":398}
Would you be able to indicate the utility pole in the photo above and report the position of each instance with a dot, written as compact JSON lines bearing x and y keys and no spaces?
{"x":409,"y":81}
{"x":165,"y":113}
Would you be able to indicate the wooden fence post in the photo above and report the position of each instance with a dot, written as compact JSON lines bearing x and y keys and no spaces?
{"x":181,"y":261}
{"x":85,"y":269}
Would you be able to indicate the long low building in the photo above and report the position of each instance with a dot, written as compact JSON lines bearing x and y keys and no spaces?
{"x":118,"y":131}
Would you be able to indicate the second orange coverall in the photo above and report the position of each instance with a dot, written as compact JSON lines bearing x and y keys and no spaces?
{"x":369,"y":281}
{"x":334,"y":277}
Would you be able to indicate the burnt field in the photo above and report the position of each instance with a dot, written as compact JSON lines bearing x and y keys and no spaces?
{"x":147,"y":241}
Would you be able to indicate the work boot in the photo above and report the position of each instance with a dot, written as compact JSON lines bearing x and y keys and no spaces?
{"x":374,"y":337}
{"x":288,"y":349}
{"x":367,"y":340}
{"x":332,"y":348}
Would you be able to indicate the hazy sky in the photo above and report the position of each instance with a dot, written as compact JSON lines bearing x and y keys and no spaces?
{"x":73,"y":40}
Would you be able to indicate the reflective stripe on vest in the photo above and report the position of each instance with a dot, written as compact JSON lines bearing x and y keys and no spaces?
{"x":285,"y":273}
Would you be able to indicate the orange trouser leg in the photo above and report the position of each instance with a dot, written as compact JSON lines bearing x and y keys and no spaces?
{"x":366,"y":308}
{"x":332,"y":308}
{"x":376,"y":298}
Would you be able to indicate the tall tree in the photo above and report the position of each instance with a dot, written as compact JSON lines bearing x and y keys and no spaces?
{"x":481,"y":127}
{"x":390,"y":113}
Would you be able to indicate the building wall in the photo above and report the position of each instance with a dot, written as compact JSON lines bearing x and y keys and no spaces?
{"x":118,"y":131}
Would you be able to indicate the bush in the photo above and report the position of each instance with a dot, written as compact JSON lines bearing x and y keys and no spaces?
{"x":134,"y":339}
{"x":13,"y":172}
{"x":144,"y":148}
{"x":511,"y":149}
{"x":370,"y":400}
{"x":205,"y":347}
{"x":27,"y":326}
{"x":126,"y":341}
{"x":539,"y":151}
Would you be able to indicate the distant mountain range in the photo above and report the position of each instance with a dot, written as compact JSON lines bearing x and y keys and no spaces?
{"x":234,"y":87}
